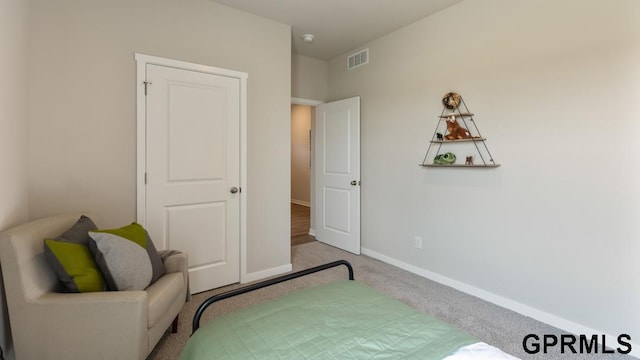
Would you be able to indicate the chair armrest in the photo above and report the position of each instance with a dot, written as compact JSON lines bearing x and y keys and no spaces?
{"x":176,"y":261}
{"x":112,"y":322}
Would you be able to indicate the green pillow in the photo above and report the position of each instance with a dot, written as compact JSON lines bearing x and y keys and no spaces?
{"x":74,"y":266}
{"x":127,"y":257}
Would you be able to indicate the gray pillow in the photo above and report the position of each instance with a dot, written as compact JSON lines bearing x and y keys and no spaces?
{"x":124,"y":264}
{"x":127,"y":257}
{"x":79,"y":232}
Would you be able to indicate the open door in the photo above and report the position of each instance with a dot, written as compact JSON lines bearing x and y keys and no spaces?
{"x":337,"y":175}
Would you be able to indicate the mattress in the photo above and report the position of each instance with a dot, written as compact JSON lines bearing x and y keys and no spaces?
{"x":338,"y":320}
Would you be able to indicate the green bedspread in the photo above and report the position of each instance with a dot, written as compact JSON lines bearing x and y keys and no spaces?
{"x":339,"y":320}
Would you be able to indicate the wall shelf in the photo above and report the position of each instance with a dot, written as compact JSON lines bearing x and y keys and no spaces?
{"x":467,"y":114}
{"x":456,"y":141}
{"x":461,"y":166}
{"x":470,"y":145}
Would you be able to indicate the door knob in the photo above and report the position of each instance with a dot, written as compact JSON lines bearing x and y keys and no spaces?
{"x":233,"y":190}
{"x":354,"y":183}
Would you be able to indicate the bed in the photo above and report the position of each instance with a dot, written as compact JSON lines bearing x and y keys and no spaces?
{"x":342,"y":319}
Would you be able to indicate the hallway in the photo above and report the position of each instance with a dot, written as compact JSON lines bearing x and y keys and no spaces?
{"x":300,"y":224}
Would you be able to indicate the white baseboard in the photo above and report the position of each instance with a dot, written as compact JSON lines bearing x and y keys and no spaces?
{"x":300,"y":202}
{"x":520,"y":308}
{"x":250,"y":277}
{"x":312,"y":232}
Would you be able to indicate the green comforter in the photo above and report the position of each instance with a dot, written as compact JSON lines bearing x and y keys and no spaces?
{"x":339,"y":320}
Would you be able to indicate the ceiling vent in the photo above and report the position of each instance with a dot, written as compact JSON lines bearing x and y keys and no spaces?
{"x":358,"y":59}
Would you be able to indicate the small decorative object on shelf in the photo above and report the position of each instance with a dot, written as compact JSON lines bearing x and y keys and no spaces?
{"x":445,"y":159}
{"x":455,"y":131}
{"x":466,"y":135}
{"x":451,"y":100}
{"x":469,"y":160}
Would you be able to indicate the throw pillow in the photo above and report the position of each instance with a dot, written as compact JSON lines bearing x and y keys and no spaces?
{"x":79,"y":232}
{"x":127,"y":257}
{"x":74,"y":266}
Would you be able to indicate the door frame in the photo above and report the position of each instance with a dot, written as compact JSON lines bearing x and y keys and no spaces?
{"x":141,"y":139}
{"x":312,"y":195}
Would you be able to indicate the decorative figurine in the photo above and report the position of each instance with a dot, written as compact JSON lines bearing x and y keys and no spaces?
{"x":455,"y":131}
{"x":439,"y":136}
{"x":445,"y":159}
{"x":469,"y":160}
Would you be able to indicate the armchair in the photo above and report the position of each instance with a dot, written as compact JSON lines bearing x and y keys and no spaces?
{"x":98,"y":325}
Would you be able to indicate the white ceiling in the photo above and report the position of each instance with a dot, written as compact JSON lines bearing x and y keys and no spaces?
{"x":339,"y":26}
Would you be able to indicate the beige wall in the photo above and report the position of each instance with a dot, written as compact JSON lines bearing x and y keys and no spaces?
{"x":82,"y":95}
{"x":310,"y":78}
{"x":13,"y":131}
{"x":300,"y":154}
{"x":13,"y":112}
{"x":555,"y":88}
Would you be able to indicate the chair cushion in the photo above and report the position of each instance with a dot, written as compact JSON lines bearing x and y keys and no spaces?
{"x":127,"y":257}
{"x":162,"y":294}
{"x":74,"y":266}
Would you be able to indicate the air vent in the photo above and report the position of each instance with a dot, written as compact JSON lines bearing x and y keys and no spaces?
{"x":358,"y":59}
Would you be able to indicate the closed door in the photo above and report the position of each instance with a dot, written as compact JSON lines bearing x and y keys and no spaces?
{"x":337,"y":174}
{"x":193,"y":170}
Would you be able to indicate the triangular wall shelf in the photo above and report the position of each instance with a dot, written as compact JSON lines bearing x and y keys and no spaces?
{"x":457,"y":133}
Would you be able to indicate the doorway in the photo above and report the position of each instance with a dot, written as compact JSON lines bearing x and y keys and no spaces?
{"x":301,"y":170}
{"x":333,"y":150}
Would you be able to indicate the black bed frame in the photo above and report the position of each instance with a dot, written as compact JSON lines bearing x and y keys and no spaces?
{"x":263,"y":284}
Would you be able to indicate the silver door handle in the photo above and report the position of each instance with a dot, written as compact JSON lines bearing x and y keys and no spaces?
{"x":233,"y":190}
{"x":354,"y":183}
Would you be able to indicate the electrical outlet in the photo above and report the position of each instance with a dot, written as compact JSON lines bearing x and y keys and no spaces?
{"x":418,"y":242}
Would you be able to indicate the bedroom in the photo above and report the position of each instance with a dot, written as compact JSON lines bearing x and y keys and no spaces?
{"x":552,"y":84}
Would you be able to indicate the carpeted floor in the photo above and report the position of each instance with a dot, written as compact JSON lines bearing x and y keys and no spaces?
{"x":487,"y":322}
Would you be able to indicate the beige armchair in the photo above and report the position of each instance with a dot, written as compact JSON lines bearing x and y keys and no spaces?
{"x":100,"y":325}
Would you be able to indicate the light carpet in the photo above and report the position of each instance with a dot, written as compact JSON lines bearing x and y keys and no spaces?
{"x":488,"y":322}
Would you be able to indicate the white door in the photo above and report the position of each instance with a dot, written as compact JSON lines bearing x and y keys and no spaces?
{"x":337,"y":175}
{"x":193,"y":170}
